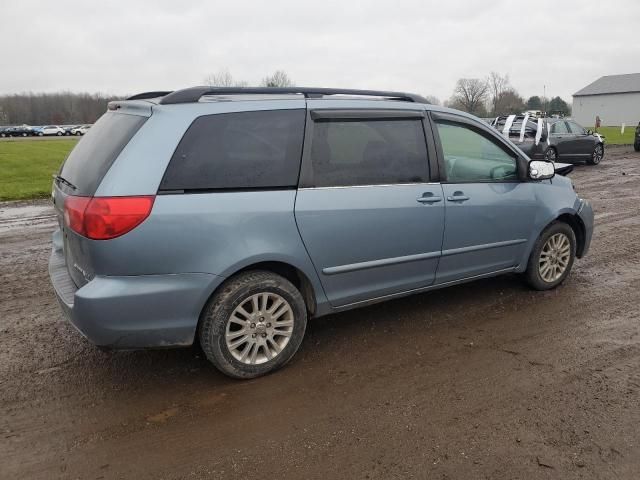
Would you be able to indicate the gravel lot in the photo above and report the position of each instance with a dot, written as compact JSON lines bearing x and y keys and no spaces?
{"x":484,"y":380}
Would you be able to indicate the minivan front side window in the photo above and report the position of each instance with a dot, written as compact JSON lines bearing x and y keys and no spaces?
{"x":472,"y":157}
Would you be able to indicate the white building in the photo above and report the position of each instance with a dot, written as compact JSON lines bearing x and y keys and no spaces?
{"x":615,"y":98}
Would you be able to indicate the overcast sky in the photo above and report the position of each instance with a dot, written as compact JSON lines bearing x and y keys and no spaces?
{"x":124,"y":47}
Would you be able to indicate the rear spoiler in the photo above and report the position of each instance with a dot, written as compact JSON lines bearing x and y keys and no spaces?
{"x":563,"y":168}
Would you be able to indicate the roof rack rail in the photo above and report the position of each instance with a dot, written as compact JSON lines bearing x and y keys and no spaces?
{"x":145,"y":95}
{"x":193,"y":94}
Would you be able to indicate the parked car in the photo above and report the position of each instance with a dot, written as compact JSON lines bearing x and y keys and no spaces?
{"x":80,"y":129}
{"x":569,"y":141}
{"x":67,"y":129}
{"x":561,"y":139}
{"x":19,"y":131}
{"x":49,"y":130}
{"x":4,"y":132}
{"x":636,"y":143}
{"x":189,"y":216}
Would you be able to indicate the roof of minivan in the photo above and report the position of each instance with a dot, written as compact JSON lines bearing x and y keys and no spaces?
{"x":194,"y":94}
{"x":208,"y":95}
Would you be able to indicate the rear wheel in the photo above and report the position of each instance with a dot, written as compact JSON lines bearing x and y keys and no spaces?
{"x":253,"y":325}
{"x":636,"y":146}
{"x":550,"y":154}
{"x":596,"y":155}
{"x":552,"y":257}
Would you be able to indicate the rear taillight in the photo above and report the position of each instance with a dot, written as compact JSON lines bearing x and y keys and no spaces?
{"x":102,"y":218}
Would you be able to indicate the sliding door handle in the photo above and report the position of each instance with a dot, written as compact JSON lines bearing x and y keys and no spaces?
{"x":429,"y":199}
{"x":458,"y":198}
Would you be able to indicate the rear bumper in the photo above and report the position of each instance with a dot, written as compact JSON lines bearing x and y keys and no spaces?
{"x":143,"y":311}
{"x":585,"y":212}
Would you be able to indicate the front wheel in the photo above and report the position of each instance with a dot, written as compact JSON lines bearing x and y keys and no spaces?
{"x":253,"y":325}
{"x":552,"y":257}
{"x":636,"y":146}
{"x":596,"y":155}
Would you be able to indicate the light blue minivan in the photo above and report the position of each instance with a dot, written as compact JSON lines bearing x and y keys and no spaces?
{"x":232,"y":215}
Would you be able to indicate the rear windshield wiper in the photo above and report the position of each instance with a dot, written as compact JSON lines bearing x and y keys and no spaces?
{"x":61,"y":179}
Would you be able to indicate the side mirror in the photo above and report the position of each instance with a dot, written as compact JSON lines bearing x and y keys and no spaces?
{"x":541,"y":170}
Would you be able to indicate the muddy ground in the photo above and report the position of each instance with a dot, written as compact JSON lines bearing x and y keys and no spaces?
{"x":484,"y":380}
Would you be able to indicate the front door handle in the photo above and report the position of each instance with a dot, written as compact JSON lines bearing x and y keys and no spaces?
{"x":458,"y":197}
{"x":429,"y":198}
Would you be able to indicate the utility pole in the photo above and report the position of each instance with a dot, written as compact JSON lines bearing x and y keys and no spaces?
{"x":544,"y":102}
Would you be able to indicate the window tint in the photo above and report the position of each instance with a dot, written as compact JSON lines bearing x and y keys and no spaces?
{"x":260,"y":149}
{"x":368,"y":152}
{"x":472,"y":157}
{"x":575,"y":128}
{"x":559,"y":127}
{"x":92,"y":157}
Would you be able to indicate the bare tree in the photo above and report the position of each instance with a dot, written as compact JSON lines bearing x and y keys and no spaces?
{"x":497,"y":85}
{"x":470,"y":95}
{"x":223,"y":78}
{"x":509,"y":101}
{"x":279,"y":78}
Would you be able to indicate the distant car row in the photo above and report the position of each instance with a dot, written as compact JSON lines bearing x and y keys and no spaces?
{"x":45,"y":130}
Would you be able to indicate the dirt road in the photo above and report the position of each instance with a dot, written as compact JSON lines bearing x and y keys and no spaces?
{"x":485,"y":380}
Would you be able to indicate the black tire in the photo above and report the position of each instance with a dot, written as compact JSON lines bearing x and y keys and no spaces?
{"x":636,"y":146}
{"x":533,"y":272}
{"x":551,"y":154}
{"x":217,"y":314}
{"x":597,"y":155}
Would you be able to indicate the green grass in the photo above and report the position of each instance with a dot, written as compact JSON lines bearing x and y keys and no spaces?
{"x":612,"y":134}
{"x":26,"y":166}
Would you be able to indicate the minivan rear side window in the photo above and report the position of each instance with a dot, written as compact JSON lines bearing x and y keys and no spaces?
{"x":92,"y":157}
{"x":368,"y":152}
{"x":257,"y":149}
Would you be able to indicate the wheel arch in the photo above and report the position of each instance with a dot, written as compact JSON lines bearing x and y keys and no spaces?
{"x":285,"y":269}
{"x":578,"y":227}
{"x":296,"y":276}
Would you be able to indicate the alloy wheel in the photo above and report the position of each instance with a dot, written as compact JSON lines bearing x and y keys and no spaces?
{"x":554,"y":258}
{"x":551,"y":155}
{"x":259,"y":328}
{"x":597,"y":154}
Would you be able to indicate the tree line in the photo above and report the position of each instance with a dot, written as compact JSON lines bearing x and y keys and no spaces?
{"x":488,"y":97}
{"x":496,"y":96}
{"x":63,"y":108}
{"x":67,"y":108}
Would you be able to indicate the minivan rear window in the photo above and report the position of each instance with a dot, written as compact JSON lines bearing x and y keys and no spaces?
{"x":257,"y":149}
{"x":92,"y":157}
